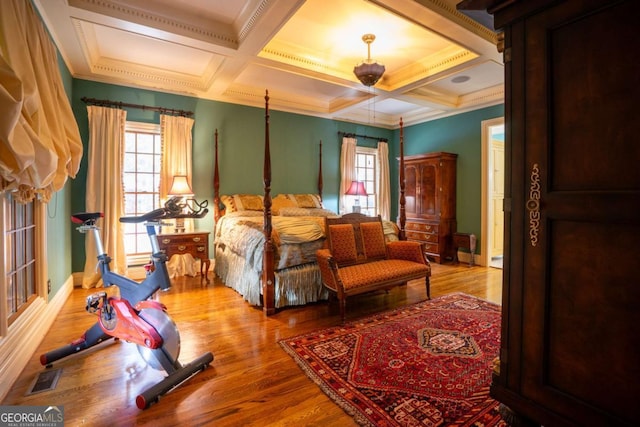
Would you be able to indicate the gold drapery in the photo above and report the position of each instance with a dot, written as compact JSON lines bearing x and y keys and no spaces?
{"x":40,"y":141}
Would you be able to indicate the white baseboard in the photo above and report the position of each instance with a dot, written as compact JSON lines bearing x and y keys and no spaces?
{"x":26,"y":334}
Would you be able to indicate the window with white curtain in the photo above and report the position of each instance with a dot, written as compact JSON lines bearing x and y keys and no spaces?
{"x":141,"y":183}
{"x":367,"y":171}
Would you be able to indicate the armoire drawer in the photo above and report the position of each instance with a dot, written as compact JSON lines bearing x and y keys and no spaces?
{"x":422,"y":227}
{"x":431,"y":248}
{"x":422,"y":237}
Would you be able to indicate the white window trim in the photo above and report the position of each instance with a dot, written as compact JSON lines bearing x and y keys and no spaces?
{"x":41,"y":269}
{"x":137,"y":260}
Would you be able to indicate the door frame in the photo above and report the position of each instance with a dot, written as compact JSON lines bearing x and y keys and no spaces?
{"x":486,"y":224}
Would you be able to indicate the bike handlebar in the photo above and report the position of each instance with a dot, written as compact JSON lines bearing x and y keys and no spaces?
{"x":173,"y":208}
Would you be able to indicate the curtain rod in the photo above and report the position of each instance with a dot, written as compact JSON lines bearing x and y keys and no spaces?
{"x":353,"y":135}
{"x":107,"y":103}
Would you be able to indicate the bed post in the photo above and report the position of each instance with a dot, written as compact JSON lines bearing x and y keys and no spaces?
{"x":268,"y":276}
{"x":320,"y":172}
{"x":403,"y":215}
{"x":216,"y":184}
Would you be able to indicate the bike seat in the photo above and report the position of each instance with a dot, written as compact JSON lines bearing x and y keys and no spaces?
{"x":82,"y":217}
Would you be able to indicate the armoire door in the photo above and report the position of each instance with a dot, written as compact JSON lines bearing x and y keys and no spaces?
{"x":572,"y":286}
{"x":428,"y":206}
{"x":411,"y":174}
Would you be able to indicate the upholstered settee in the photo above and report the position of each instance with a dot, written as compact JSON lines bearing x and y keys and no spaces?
{"x":358,"y":259}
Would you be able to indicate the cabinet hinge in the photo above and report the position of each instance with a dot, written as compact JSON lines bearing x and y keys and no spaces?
{"x":506,"y":205}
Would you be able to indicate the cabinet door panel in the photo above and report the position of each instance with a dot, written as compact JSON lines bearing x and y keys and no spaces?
{"x":428,"y":188}
{"x":583,"y":196}
{"x":411,"y":179}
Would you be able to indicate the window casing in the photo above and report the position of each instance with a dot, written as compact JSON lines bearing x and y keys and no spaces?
{"x":141,"y":184}
{"x":23,"y":269}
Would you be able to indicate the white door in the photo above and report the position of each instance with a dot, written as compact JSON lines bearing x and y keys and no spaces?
{"x":492,"y":215}
{"x":497,"y":197}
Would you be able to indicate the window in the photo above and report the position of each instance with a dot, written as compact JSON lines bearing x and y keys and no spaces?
{"x":367,"y":172}
{"x":23,"y":270}
{"x":141,"y":183}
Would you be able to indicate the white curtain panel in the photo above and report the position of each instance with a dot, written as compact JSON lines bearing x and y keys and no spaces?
{"x":347,"y":170}
{"x":104,"y":189}
{"x":176,"y":134}
{"x":384,"y":192}
{"x":176,"y":150}
{"x":40,"y":144}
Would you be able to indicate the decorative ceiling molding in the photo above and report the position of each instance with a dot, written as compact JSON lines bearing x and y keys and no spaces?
{"x":450,"y":12}
{"x":302,"y":51}
{"x":208,"y":31}
{"x":422,"y":69}
{"x":252,"y":20}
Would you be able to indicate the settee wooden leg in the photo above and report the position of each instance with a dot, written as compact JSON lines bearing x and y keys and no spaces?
{"x":343,"y":309}
{"x":428,"y":285}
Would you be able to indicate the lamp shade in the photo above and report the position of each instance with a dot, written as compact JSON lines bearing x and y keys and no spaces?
{"x":356,"y":189}
{"x":180,"y":186}
{"x":369,"y":73}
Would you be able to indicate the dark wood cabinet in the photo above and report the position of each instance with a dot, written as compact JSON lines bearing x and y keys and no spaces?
{"x":430,"y":194}
{"x":570,"y":353}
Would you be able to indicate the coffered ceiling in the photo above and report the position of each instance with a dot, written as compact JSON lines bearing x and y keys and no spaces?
{"x":438,"y":61}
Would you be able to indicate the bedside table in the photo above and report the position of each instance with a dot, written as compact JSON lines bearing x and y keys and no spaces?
{"x":196,"y":244}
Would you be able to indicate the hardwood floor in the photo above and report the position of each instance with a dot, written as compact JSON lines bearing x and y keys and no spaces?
{"x":251,"y":382}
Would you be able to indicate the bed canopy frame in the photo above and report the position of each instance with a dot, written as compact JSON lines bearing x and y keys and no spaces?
{"x":268,"y":271}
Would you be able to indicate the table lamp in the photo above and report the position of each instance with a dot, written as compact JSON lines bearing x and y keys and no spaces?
{"x":180,"y":187}
{"x":356,"y":189}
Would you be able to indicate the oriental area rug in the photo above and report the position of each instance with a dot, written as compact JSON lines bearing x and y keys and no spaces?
{"x":428,"y":364}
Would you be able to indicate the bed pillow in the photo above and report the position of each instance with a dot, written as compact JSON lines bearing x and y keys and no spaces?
{"x":250,"y":202}
{"x":306,"y":200}
{"x":229,"y":204}
{"x":242,"y":202}
{"x":280,"y":202}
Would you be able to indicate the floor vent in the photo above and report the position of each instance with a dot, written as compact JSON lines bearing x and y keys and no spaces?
{"x":45,"y":381}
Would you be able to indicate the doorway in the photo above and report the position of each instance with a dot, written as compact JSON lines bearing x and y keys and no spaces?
{"x":492,"y":226}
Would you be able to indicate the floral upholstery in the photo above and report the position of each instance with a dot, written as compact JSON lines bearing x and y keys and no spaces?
{"x":381,"y":265}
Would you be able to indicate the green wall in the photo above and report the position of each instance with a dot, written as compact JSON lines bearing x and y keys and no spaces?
{"x":59,"y":247}
{"x":294,"y":143}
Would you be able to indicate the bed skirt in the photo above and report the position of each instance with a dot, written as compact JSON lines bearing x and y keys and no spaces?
{"x":293,"y":286}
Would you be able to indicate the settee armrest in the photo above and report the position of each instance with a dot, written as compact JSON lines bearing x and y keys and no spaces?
{"x":407,"y":250}
{"x":328,"y":269}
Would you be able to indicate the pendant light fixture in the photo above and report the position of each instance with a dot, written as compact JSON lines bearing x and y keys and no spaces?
{"x":369,"y":71}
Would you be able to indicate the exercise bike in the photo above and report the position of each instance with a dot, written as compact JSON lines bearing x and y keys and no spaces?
{"x":133,"y":316}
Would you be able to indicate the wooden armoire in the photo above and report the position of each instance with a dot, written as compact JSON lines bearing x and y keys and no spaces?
{"x":430,"y":202}
{"x":570,"y":349}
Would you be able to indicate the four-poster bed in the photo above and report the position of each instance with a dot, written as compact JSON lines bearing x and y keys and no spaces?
{"x":265,"y":246}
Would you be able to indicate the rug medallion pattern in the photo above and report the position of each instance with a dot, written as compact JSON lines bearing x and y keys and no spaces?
{"x":428,"y":364}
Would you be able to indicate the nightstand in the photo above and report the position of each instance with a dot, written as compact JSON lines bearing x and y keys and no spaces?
{"x":196,"y":244}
